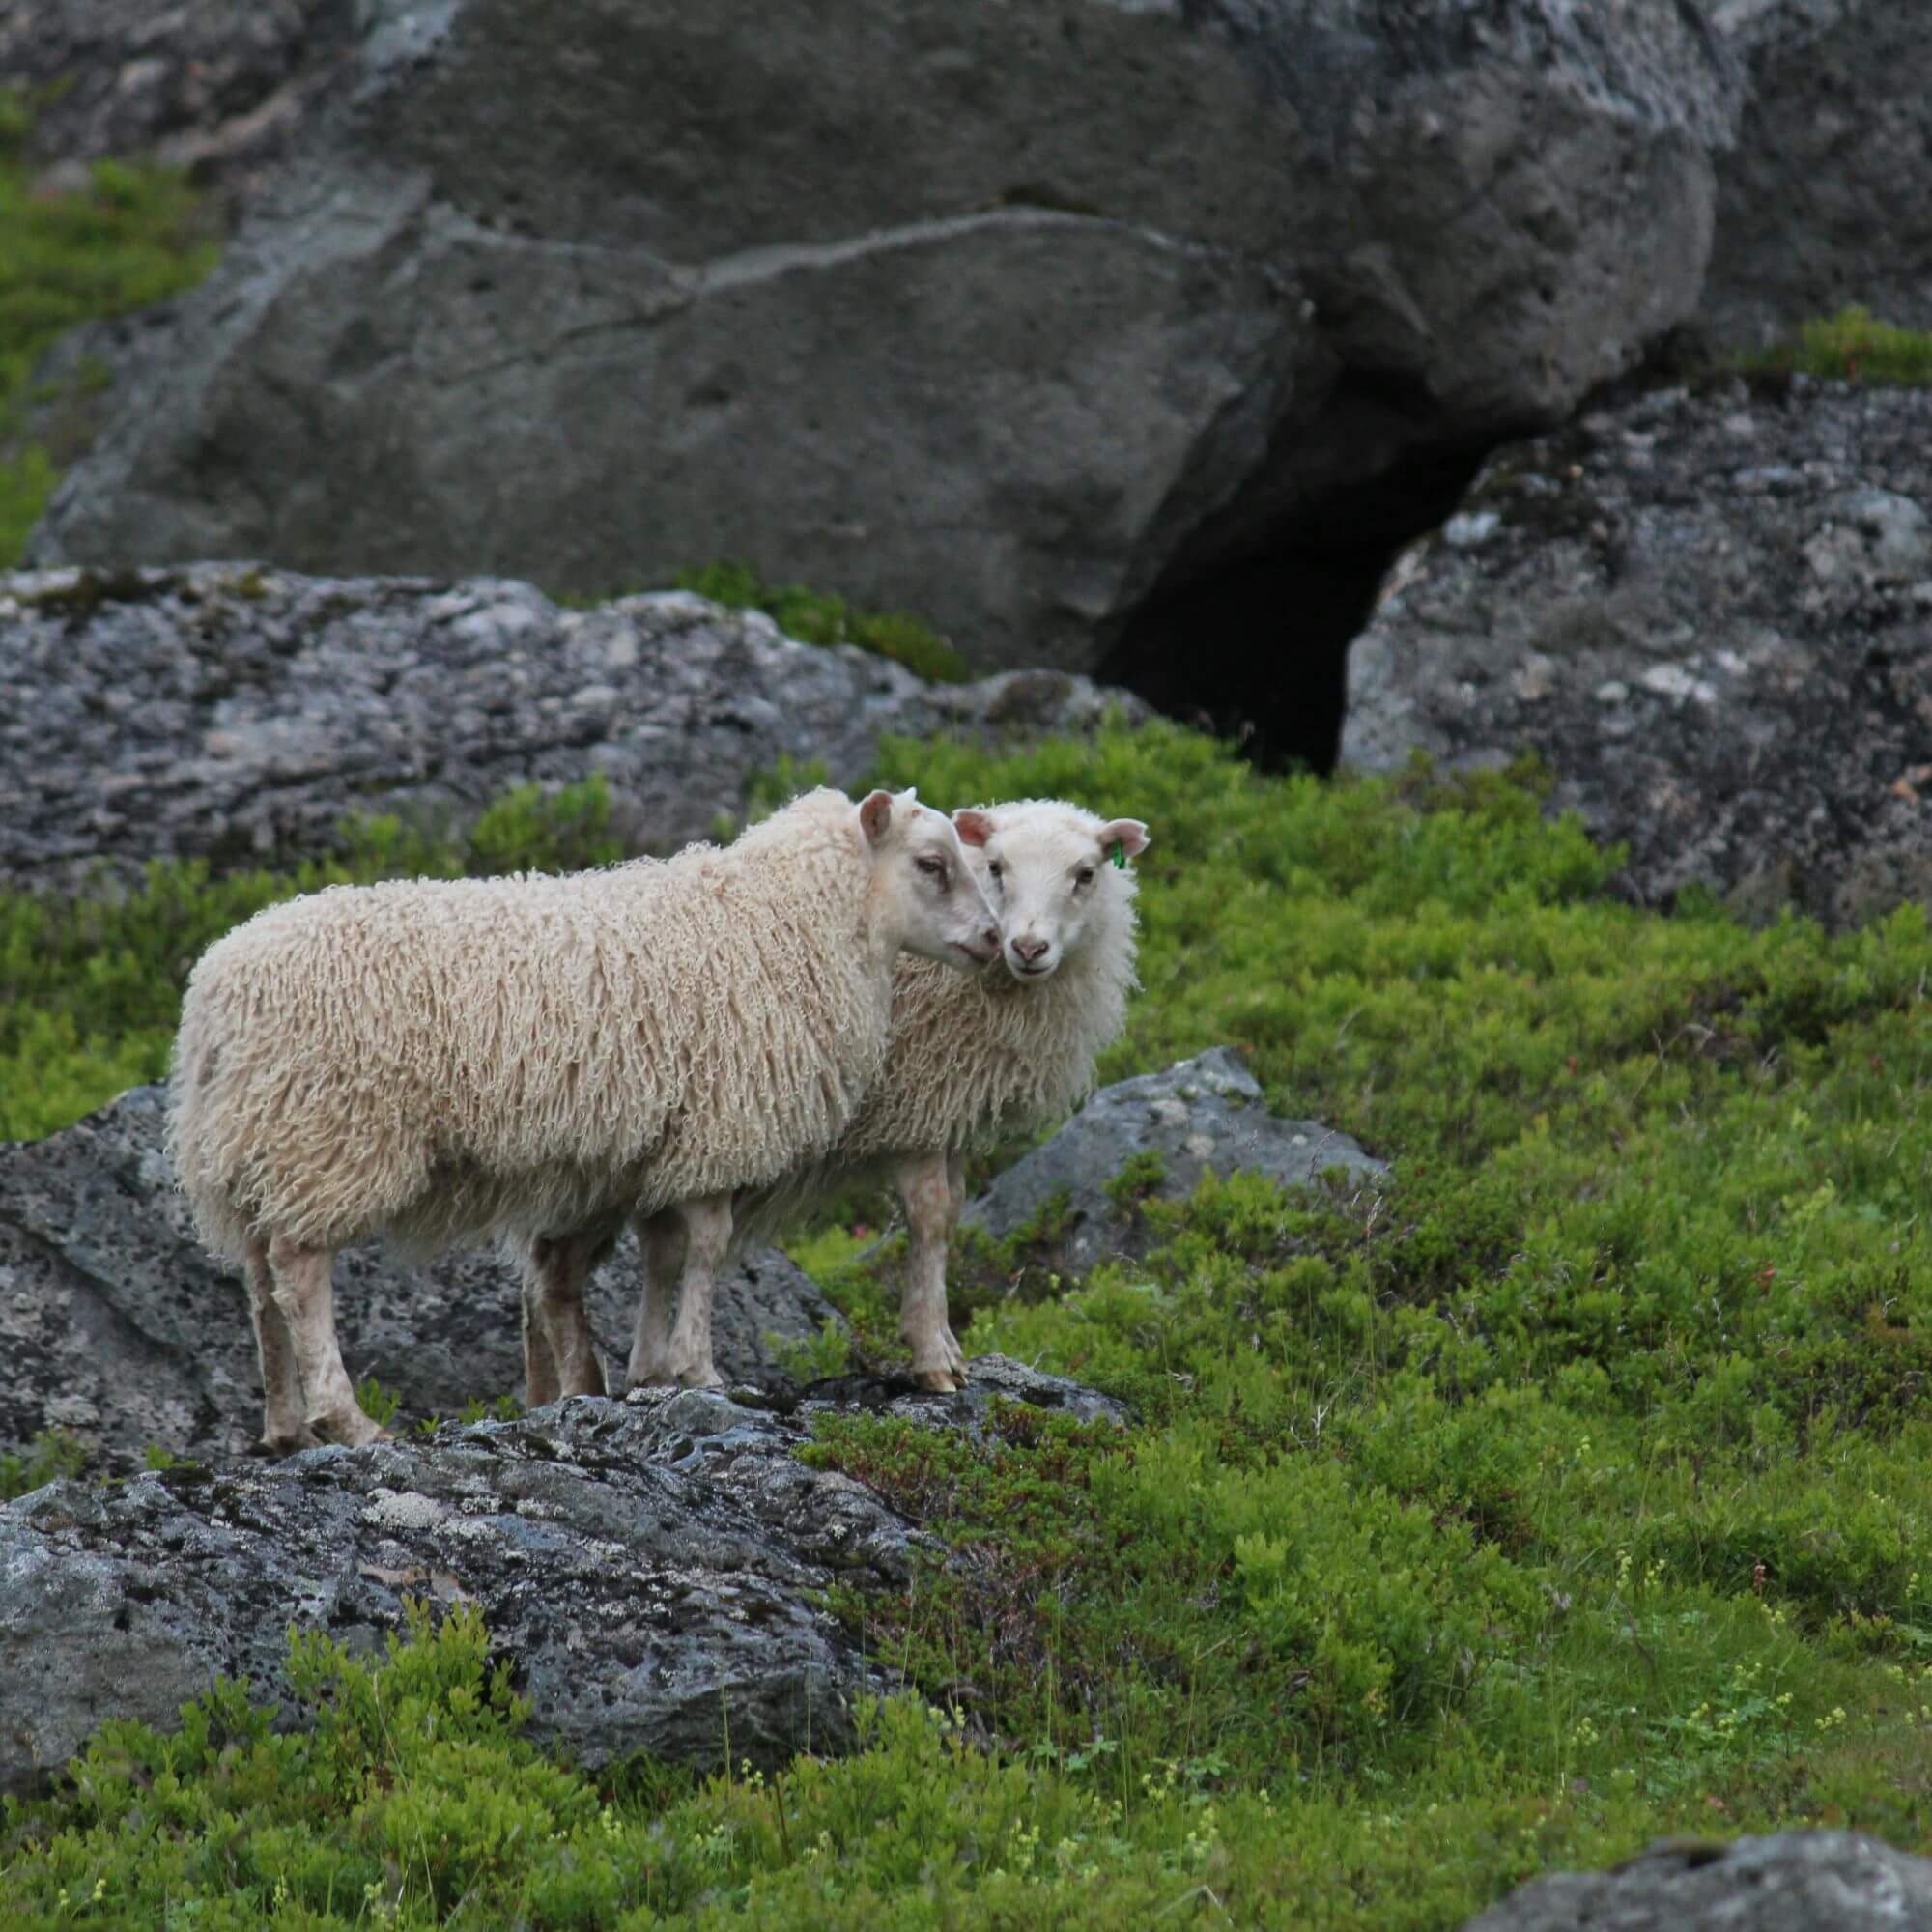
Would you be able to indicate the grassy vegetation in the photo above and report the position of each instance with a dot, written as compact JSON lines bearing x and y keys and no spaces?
{"x":1850,"y":346}
{"x":133,"y":235}
{"x":1565,"y":1493}
{"x":817,"y":617}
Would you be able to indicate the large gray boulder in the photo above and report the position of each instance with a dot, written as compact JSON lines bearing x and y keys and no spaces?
{"x":1004,"y":320}
{"x":653,"y":1568}
{"x":1199,"y":1116}
{"x":1793,"y":1882}
{"x":117,"y":1328}
{"x":1711,"y":614}
{"x":238,"y":714}
{"x":1823,"y":200}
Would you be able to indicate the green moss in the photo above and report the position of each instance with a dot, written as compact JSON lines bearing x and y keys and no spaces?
{"x":134,"y":236}
{"x":1851,"y":346}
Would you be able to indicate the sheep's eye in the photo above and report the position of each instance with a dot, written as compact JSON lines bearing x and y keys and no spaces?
{"x":996,"y":870}
{"x":1084,"y":876}
{"x":933,"y":868}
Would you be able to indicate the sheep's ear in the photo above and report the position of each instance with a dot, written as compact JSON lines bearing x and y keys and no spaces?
{"x":875,"y":815}
{"x":1122,"y":838}
{"x":974,"y":827}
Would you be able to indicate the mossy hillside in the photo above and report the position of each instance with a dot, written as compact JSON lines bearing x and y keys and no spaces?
{"x":1565,"y":1491}
{"x":133,"y":235}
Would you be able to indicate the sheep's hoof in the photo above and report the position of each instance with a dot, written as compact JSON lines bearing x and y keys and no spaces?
{"x":938,"y":1381}
{"x":354,"y":1432}
{"x":651,"y":1378}
{"x":285,"y":1442}
{"x":706,"y":1377}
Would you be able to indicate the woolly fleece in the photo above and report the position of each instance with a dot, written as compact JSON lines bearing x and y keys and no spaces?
{"x":976,"y":1057}
{"x":453,"y":1060}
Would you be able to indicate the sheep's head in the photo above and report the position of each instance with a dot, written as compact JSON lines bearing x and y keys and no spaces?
{"x":1046,"y":866}
{"x":934,"y":903}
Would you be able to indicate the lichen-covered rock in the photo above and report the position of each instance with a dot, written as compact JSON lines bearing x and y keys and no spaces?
{"x":941,"y":306}
{"x":238,"y":714}
{"x":117,"y":1328}
{"x":1793,"y":1882}
{"x":651,"y":1566}
{"x":1822,"y":201}
{"x":1711,"y":614}
{"x":218,"y":87}
{"x":1201,"y":1116}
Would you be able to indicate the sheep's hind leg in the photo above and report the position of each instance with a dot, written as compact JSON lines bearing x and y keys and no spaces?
{"x":933,"y":1188}
{"x":305,"y":1298}
{"x":541,"y":1383}
{"x":561,"y":1265}
{"x":662,"y":1238}
{"x":707,"y":1227}
{"x":283,"y":1426}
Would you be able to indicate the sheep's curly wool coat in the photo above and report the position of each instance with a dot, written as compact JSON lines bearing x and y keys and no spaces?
{"x":452,"y":1060}
{"x":978,"y":1057}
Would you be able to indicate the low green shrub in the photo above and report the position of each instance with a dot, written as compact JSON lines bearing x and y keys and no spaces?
{"x":1851,"y":346}
{"x":819,"y":618}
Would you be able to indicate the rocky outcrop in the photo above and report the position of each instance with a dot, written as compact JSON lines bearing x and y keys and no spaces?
{"x":238,"y":714}
{"x":117,"y":1328}
{"x":1205,"y":1115}
{"x":1711,"y":614}
{"x":651,"y":1567}
{"x":1822,"y":202}
{"x":1794,"y":1882}
{"x":218,"y":87}
{"x":945,"y":308}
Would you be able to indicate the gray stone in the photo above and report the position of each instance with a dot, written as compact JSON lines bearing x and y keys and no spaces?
{"x":938,"y":307}
{"x":1201,"y":1116}
{"x":652,"y":1567}
{"x":238,"y":714}
{"x":218,"y":87}
{"x":117,"y":1327}
{"x":1793,"y":1882}
{"x":1823,"y":200}
{"x":1711,"y":614}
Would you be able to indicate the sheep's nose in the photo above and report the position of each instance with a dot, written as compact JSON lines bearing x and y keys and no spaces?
{"x":1030,"y":950}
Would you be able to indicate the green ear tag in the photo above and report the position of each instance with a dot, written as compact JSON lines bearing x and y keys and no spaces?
{"x":1121,"y":857}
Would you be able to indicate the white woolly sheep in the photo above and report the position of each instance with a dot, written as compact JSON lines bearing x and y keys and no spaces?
{"x":974,"y":1057}
{"x":535,"y":1058}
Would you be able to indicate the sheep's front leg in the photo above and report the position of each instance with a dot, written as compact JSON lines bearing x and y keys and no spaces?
{"x":283,"y":1426}
{"x":557,"y":1267}
{"x":304,"y":1296}
{"x":662,"y":1239}
{"x":707,"y":1230}
{"x":933,"y":1188}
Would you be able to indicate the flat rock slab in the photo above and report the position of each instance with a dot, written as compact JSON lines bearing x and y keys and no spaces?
{"x":119,"y":1328}
{"x":238,"y":715}
{"x":650,"y":1566}
{"x":1201,"y":1116}
{"x":1710,"y":612}
{"x":1792,"y":1881}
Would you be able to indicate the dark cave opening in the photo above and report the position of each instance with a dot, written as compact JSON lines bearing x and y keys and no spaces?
{"x":1255,"y":647}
